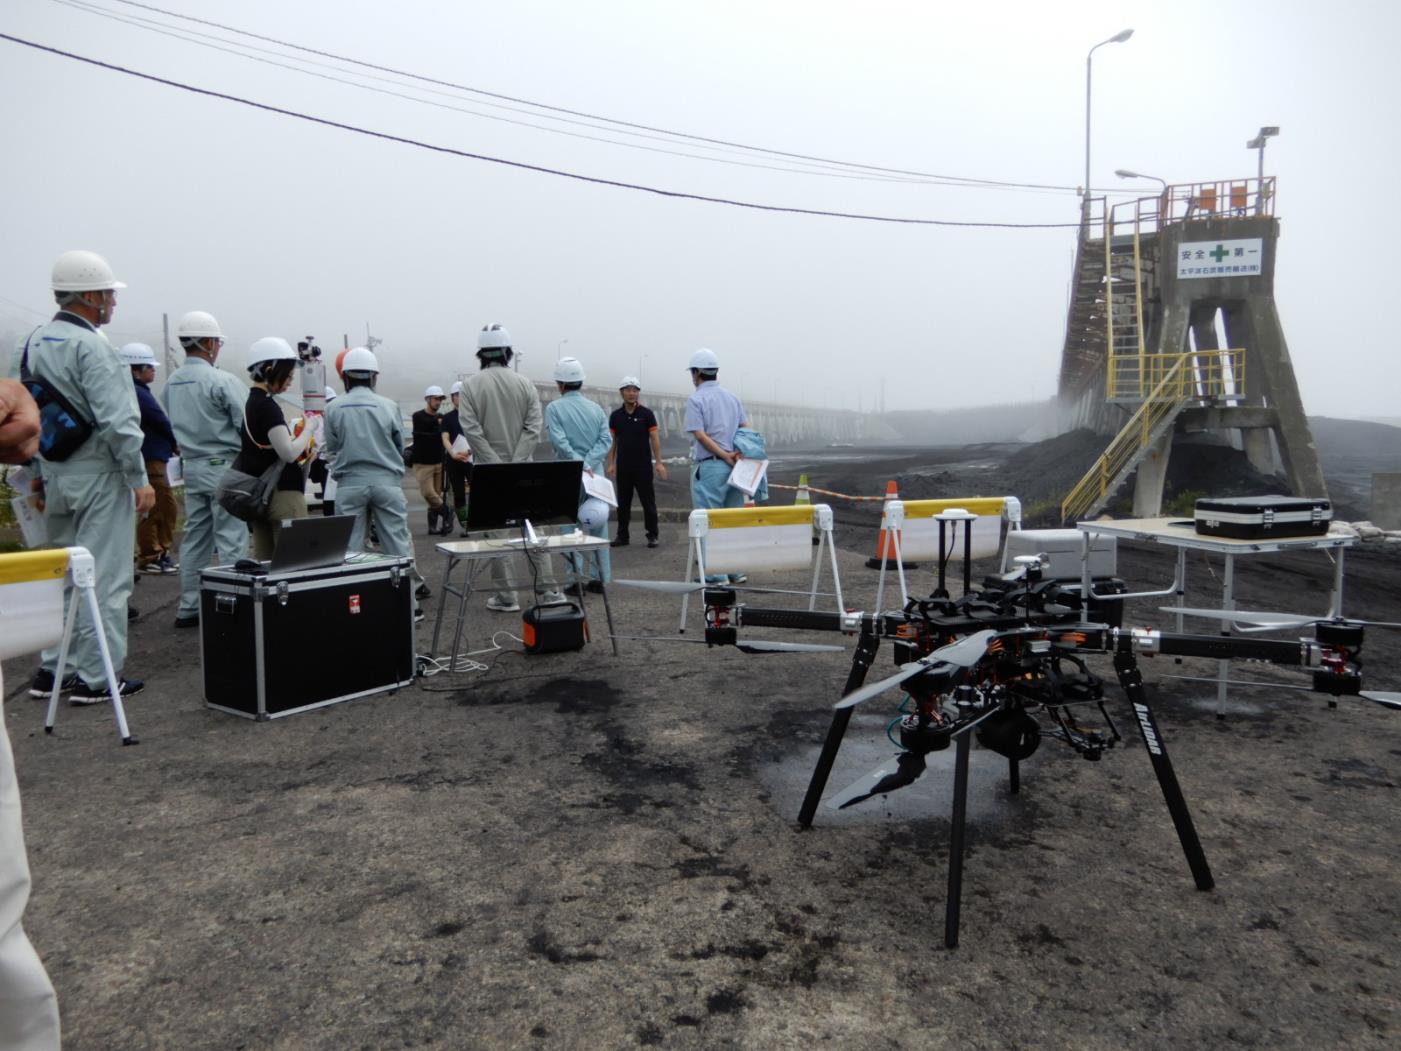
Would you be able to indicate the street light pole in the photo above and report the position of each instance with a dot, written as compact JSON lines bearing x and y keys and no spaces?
{"x":1117,"y":38}
{"x":1258,"y":144}
{"x":559,"y":350}
{"x":1124,"y":173}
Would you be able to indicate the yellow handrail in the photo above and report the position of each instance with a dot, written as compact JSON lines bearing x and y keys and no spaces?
{"x":1181,"y":377}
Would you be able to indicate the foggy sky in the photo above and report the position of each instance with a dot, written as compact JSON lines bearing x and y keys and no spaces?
{"x":280,"y":227}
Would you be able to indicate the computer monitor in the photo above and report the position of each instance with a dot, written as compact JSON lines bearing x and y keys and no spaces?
{"x":507,"y":495}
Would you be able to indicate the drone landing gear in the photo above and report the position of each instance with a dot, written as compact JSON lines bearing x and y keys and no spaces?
{"x":866,"y":646}
{"x":1132,"y":682}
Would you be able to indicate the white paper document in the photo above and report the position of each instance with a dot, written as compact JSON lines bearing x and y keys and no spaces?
{"x":461,"y":445}
{"x":31,"y":520}
{"x":601,"y":487}
{"x":747,"y":474}
{"x":174,"y":472}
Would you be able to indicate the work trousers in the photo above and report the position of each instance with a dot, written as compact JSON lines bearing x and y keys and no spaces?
{"x":429,"y":477}
{"x":639,"y":480}
{"x":98,"y":512}
{"x":155,"y":534}
{"x":456,"y":474}
{"x":210,"y":531}
{"x":386,"y":506}
{"x":710,"y":488}
{"x":28,"y":1007}
{"x":286,"y":503}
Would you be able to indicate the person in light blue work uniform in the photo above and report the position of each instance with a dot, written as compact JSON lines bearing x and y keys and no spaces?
{"x":205,"y":406}
{"x":365,"y":444}
{"x":578,"y":430}
{"x":91,"y":497}
{"x":713,"y":415}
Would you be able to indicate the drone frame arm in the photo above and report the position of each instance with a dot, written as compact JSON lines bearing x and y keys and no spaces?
{"x":861,"y":660}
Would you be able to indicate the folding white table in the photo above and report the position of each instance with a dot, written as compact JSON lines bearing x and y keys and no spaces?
{"x":1182,"y":535}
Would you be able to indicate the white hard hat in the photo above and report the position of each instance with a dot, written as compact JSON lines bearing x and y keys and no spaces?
{"x":630,"y":381}
{"x":433,"y":391}
{"x":82,"y":271}
{"x":271,"y":348}
{"x":198,"y":325}
{"x":493,"y":337}
{"x":331,"y":394}
{"x":569,"y":370}
{"x":593,"y":513}
{"x":456,"y":388}
{"x":360,"y":359}
{"x":704,"y":359}
{"x":138,"y":354}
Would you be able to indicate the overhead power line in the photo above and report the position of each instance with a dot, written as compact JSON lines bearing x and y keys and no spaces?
{"x":675,"y":194}
{"x":946,"y":179}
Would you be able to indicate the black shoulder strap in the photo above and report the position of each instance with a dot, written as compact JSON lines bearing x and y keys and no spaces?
{"x":24,"y":358}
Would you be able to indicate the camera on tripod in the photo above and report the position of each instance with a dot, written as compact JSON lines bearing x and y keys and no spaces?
{"x":307,"y":350}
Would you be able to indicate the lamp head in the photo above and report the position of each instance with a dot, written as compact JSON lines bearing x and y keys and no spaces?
{"x":1120,"y":37}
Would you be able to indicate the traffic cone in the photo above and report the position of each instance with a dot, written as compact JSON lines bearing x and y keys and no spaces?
{"x":802,"y":497}
{"x":885,"y":544}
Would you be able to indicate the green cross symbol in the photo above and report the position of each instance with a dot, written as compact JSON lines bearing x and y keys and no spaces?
{"x":1219,"y":253}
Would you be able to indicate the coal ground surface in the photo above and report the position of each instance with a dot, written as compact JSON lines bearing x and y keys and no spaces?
{"x":582,"y":850}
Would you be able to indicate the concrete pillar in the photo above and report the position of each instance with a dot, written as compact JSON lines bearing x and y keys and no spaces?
{"x":1152,"y":472}
{"x":1386,"y":501}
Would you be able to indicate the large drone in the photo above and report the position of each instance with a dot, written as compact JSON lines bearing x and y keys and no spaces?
{"x":1006,"y":665}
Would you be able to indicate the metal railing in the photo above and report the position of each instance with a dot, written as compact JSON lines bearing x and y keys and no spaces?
{"x":1190,"y":376}
{"x":1185,"y":202}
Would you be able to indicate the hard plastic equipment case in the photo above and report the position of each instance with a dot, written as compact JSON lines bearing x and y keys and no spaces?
{"x":1263,"y":517}
{"x":277,"y":644}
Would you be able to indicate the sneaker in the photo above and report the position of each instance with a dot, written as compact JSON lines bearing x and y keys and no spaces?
{"x":418,"y":615}
{"x":651,"y":541}
{"x":622,"y":541}
{"x":423,"y":591}
{"x":503,"y":604}
{"x":552,"y":598}
{"x":596,"y":586}
{"x":187,"y":620}
{"x":85,"y":694}
{"x":738,"y":578}
{"x":168,"y":565}
{"x":132,"y":613}
{"x":152,"y":567}
{"x":43,"y":684}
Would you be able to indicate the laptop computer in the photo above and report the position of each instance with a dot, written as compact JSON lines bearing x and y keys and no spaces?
{"x":315,"y":542}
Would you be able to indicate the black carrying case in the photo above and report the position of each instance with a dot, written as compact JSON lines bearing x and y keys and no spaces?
{"x":1263,"y":517}
{"x":277,"y":644}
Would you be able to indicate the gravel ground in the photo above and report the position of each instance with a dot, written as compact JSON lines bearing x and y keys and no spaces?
{"x":580,"y":850}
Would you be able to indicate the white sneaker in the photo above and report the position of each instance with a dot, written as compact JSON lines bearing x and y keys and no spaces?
{"x":503,"y":604}
{"x":552,"y":598}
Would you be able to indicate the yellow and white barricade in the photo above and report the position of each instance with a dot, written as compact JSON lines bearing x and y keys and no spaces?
{"x":32,"y":584}
{"x":753,"y":539}
{"x":912,"y":529}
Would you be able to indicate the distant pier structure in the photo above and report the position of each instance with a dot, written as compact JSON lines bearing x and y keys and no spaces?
{"x":1172,"y":329}
{"x":781,"y":425}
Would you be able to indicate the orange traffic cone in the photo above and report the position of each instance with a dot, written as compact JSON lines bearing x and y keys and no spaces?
{"x":885,"y":543}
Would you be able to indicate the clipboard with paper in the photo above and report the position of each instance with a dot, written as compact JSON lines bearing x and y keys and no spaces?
{"x":597,"y":485}
{"x":748,"y":474}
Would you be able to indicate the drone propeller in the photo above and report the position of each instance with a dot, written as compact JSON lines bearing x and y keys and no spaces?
{"x":964,"y":653}
{"x":897,"y":772}
{"x":690,"y":587}
{"x":1385,"y":699}
{"x":787,"y":647}
{"x":755,"y":647}
{"x":1274,"y":620}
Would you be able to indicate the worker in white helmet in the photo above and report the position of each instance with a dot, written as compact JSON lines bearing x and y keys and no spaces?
{"x":205,"y":406}
{"x":578,"y":430}
{"x":457,"y":457}
{"x":499,"y":410}
{"x":155,"y":534}
{"x":635,"y":455}
{"x":266,"y":439}
{"x":365,"y":441}
{"x":426,"y":458}
{"x":94,"y":487}
{"x":713,"y":415}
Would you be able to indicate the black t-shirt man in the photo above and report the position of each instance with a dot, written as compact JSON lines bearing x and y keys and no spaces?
{"x":261,"y":414}
{"x":427,"y":437}
{"x":632,"y":436}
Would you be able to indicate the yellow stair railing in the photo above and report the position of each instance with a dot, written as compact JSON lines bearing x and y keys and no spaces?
{"x":1189,"y":376}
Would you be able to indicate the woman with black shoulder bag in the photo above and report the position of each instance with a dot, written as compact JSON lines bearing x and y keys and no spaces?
{"x":266,"y":440}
